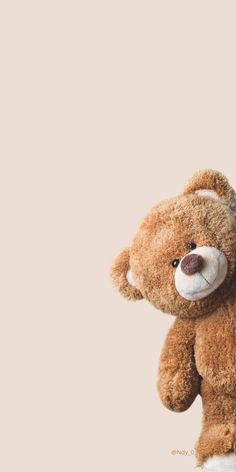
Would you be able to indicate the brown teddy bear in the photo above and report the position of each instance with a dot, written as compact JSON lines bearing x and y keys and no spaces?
{"x":183,"y":261}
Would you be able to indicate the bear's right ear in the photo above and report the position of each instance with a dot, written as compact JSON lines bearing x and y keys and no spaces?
{"x":122,"y":277}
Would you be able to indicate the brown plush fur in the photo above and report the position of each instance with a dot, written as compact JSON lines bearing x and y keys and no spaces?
{"x":199,"y":355}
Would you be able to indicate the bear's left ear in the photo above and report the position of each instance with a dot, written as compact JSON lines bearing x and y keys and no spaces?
{"x":214,"y":185}
{"x":122,"y":277}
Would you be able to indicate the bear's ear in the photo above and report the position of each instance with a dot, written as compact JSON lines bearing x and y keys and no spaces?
{"x":214,"y":185}
{"x":122,"y":277}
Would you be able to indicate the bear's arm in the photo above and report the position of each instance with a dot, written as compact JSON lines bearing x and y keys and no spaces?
{"x":179,"y":381}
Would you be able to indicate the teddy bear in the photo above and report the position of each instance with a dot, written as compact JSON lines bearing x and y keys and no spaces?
{"x":183,"y":261}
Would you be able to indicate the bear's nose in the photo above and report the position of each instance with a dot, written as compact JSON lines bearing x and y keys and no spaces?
{"x":192,"y":264}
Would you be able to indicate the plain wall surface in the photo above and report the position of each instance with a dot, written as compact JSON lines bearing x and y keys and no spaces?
{"x":106,"y":108}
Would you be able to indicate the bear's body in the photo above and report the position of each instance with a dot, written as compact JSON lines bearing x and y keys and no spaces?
{"x":183,"y":261}
{"x":215,"y":348}
{"x":200,"y":357}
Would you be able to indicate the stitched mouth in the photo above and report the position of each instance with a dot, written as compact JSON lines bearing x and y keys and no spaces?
{"x":203,"y":289}
{"x":206,"y":279}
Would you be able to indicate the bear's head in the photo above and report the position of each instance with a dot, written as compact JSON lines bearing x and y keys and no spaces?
{"x":183,"y":257}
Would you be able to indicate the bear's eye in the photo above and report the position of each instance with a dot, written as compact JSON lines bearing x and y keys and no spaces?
{"x":192,"y":246}
{"x":175,"y":263}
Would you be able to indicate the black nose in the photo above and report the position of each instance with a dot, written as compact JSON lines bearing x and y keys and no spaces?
{"x":192,"y":264}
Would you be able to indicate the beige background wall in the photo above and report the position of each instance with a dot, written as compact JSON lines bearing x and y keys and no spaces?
{"x":106,"y":108}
